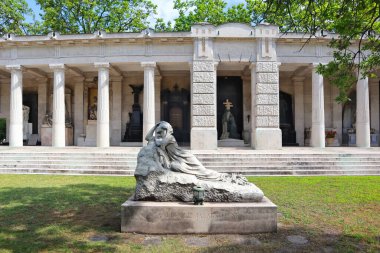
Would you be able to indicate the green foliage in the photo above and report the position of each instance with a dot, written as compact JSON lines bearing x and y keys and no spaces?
{"x":87,"y":16}
{"x":197,"y":11}
{"x":12,"y":16}
{"x":46,"y":213}
{"x":356,"y":23}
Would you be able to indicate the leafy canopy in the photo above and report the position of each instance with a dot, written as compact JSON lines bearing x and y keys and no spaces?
{"x":88,"y":16}
{"x":12,"y":16}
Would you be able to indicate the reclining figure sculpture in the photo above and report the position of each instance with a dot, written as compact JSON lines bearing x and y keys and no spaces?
{"x":166,"y":172}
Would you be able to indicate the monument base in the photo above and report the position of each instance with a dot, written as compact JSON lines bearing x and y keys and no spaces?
{"x":209,"y":218}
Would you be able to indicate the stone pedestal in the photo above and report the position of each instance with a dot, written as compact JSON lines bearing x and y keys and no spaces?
{"x":46,"y":136}
{"x":89,"y":140}
{"x":187,"y":218}
{"x":232,"y":143}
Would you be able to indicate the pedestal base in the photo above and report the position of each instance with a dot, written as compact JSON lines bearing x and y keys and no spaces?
{"x":267,"y":138}
{"x":209,"y":218}
{"x":46,"y":136}
{"x":204,"y":138}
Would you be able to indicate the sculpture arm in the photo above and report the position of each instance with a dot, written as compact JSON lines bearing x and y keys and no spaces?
{"x":149,"y":135}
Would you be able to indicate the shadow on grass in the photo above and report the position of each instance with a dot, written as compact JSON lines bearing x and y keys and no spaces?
{"x":59,"y":218}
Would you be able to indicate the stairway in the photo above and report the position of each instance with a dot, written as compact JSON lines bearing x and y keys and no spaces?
{"x":121,"y":162}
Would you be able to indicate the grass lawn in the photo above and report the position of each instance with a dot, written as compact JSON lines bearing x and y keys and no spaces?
{"x":41,"y":213}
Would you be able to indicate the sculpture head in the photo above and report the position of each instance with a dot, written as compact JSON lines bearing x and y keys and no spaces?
{"x":162,"y":130}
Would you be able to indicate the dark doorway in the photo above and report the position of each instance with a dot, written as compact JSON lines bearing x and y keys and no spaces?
{"x":286,"y":120}
{"x":31,"y":100}
{"x":231,"y":88}
{"x":175,"y":109}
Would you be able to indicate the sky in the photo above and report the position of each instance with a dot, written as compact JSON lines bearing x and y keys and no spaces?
{"x":164,"y":8}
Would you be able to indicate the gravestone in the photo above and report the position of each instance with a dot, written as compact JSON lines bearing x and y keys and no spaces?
{"x":166,"y":176}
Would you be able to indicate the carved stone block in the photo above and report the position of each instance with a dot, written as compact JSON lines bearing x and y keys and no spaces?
{"x":267,"y":88}
{"x":267,"y":99}
{"x":267,"y":110}
{"x":203,"y":77}
{"x":267,"y":77}
{"x":203,"y":99}
{"x":203,"y":66}
{"x":204,"y":88}
{"x":204,"y":121}
{"x":271,"y":67}
{"x":208,"y":110}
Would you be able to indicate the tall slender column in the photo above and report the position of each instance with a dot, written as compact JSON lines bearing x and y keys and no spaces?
{"x":337,"y":113}
{"x":42,"y":101}
{"x":318,"y":111}
{"x":103,"y":117}
{"x":374,"y":92}
{"x":157,"y":99}
{"x":116,"y":111}
{"x":16,"y":114}
{"x":299,"y":113}
{"x":78,"y":105}
{"x":58,"y":136}
{"x":363,"y":138}
{"x":148,"y":109}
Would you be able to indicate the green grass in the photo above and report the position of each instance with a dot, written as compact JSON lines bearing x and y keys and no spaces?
{"x":61,"y":214}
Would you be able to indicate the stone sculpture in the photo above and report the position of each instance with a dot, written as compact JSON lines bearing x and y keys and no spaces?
{"x":166,"y":172}
{"x":228,"y":123}
{"x":25,"y":118}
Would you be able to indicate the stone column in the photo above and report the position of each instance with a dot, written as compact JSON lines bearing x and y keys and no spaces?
{"x":337,"y":113}
{"x":16,"y":114}
{"x":157,"y":99}
{"x":318,"y":111}
{"x":78,"y":105}
{"x":363,"y":138}
{"x":299,"y":113}
{"x":42,"y":101}
{"x":116,"y":111}
{"x":374,"y":91}
{"x":247,"y":117}
{"x":266,"y":132}
{"x":103,"y":113}
{"x":5,"y":85}
{"x":58,"y":136}
{"x":204,"y":134}
{"x":149,"y":106}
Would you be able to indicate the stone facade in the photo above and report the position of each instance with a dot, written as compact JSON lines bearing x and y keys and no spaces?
{"x":58,"y":74}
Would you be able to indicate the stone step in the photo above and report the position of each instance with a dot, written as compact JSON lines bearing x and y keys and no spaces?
{"x":66,"y":171}
{"x":68,"y":166}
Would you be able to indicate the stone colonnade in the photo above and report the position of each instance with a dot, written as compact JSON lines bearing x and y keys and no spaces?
{"x":58,"y":121}
{"x":265,"y":133}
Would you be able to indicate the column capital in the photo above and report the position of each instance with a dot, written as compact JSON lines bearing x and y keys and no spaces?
{"x":148,"y":64}
{"x":252,"y":65}
{"x":15,"y":67}
{"x":57,"y":66}
{"x":102,"y":65}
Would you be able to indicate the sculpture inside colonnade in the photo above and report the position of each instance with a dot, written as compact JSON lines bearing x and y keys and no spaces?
{"x":228,"y":123}
{"x":166,"y":172}
{"x":25,"y":119}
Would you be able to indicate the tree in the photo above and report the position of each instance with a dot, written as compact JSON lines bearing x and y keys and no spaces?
{"x":88,"y":16}
{"x":12,"y":16}
{"x":196,"y":11}
{"x":356,"y":24}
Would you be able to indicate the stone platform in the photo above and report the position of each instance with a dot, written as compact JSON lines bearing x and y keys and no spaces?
{"x":187,"y":218}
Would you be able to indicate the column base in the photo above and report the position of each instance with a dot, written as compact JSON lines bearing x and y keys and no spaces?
{"x":266,"y":138}
{"x":204,"y":138}
{"x":318,"y":136}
